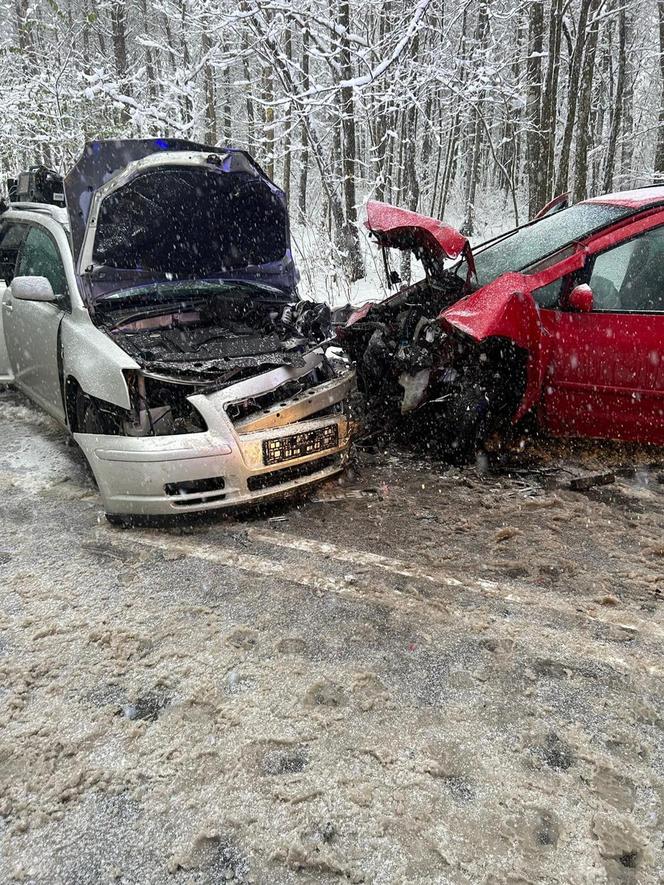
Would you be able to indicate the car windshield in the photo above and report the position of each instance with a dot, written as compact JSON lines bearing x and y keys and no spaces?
{"x":529,"y":244}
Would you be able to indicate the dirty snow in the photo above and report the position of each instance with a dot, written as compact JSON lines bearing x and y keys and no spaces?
{"x":422,"y":676}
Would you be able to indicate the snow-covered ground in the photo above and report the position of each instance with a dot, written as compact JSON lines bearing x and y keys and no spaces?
{"x":320,"y":277}
{"x":420,"y":676}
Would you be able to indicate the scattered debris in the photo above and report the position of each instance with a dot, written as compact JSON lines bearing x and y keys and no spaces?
{"x":608,"y":600}
{"x":506,"y":533}
{"x":583,"y":483}
{"x":148,"y":707}
{"x":350,"y":494}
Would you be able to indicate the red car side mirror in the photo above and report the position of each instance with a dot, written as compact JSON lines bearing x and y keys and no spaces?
{"x":581,"y":298}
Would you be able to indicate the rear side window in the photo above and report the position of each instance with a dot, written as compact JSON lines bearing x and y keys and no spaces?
{"x":11,"y":237}
{"x":40,"y":257}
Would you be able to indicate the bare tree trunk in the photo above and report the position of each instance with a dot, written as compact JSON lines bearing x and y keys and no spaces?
{"x":616,"y":104}
{"x":227,"y":110}
{"x":468,"y":226}
{"x":583,"y":124}
{"x":288,"y":49}
{"x":86,"y":38}
{"x":627,"y":146}
{"x":268,"y":120}
{"x":349,"y":148}
{"x":410,"y":181}
{"x":536,"y":162}
{"x":170,"y":42}
{"x":572,"y":94}
{"x":187,"y":107}
{"x":549,"y":116}
{"x":659,"y":153}
{"x":211,"y":135}
{"x":119,"y":36}
{"x":24,"y":26}
{"x":251,"y":116}
{"x":304,"y":140}
{"x":150,"y":70}
{"x":452,"y":147}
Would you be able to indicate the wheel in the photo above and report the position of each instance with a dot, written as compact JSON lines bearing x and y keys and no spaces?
{"x":88,"y":419}
{"x":119,"y":521}
{"x":468,"y":418}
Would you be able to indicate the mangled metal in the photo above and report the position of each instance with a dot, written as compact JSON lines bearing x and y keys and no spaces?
{"x":188,"y":369}
{"x":519,"y":326}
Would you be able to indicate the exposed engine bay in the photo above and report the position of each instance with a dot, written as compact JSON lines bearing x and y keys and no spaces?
{"x":203,"y":343}
{"x":215,"y":338}
{"x":397,"y":344}
{"x":421,"y":378}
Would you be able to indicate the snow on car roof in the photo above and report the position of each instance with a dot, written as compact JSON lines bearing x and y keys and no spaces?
{"x":637,"y":199}
{"x":57,"y":213}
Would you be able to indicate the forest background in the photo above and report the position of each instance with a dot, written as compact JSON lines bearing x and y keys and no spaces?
{"x":476,"y":112}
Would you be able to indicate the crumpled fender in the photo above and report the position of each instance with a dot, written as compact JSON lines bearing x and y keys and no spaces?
{"x":505,"y":309}
{"x":97,"y":363}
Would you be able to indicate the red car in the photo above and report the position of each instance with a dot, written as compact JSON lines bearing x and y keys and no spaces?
{"x":562,"y":319}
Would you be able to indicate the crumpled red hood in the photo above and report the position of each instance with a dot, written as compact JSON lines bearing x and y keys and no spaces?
{"x":402,"y":229}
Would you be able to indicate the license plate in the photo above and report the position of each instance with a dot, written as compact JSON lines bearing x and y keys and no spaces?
{"x":300,"y":444}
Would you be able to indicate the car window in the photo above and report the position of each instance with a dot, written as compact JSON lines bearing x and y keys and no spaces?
{"x":40,"y":257}
{"x":631,"y":275}
{"x":549,"y":296}
{"x":11,"y":237}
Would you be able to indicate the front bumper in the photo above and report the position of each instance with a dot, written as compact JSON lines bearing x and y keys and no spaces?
{"x":227,"y":465}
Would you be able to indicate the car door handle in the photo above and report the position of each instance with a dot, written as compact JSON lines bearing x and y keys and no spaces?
{"x":8,"y":306}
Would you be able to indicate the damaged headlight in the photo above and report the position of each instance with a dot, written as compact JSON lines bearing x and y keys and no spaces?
{"x":160,"y":408}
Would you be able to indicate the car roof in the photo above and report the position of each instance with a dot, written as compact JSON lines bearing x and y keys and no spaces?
{"x":57,"y":213}
{"x":640,"y":198}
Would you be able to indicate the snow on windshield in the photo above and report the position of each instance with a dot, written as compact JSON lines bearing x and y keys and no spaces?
{"x":535,"y":241}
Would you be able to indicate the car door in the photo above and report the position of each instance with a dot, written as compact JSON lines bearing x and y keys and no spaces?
{"x":605,"y":372}
{"x":11,"y":237}
{"x":32,"y":328}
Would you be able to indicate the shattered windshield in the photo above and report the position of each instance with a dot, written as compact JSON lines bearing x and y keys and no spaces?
{"x":529,"y":244}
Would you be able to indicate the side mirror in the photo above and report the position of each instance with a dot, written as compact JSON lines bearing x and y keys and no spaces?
{"x":32,"y":289}
{"x":581,"y":298}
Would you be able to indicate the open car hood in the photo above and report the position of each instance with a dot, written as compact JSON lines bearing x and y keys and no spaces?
{"x":148,"y":210}
{"x":430,"y":239}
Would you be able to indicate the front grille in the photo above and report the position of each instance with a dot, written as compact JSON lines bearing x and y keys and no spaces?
{"x":240,"y":411}
{"x":181,"y":491}
{"x":289,"y":474}
{"x":286,"y":448}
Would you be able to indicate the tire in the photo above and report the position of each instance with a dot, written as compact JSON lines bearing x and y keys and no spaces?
{"x":119,"y":521}
{"x":88,"y":419}
{"x":468,"y":418}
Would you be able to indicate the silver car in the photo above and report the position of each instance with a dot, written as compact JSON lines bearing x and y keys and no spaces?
{"x":151,"y":308}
